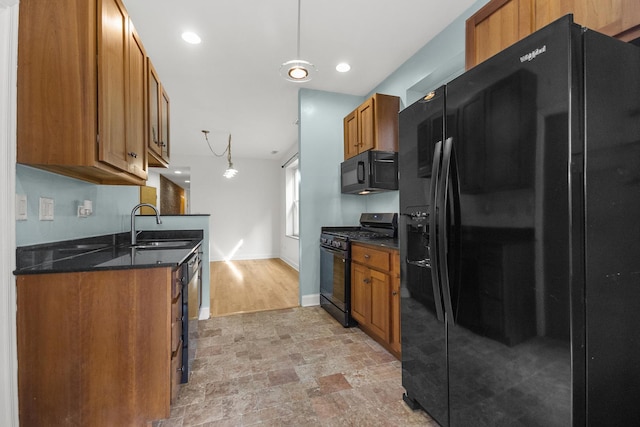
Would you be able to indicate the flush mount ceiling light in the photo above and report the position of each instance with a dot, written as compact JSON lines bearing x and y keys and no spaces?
{"x":298,"y":70}
{"x":343,"y":67}
{"x":230,"y":172}
{"x":191,"y":37}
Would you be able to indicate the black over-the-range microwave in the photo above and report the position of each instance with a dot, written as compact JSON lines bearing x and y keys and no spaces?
{"x":370,"y":172}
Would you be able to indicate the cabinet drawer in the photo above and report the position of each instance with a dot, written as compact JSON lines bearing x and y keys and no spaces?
{"x":176,"y":322}
{"x":176,"y":286}
{"x":371,"y":257}
{"x":176,"y":371}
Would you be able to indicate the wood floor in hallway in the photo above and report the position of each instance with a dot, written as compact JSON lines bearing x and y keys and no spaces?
{"x":252,"y":285}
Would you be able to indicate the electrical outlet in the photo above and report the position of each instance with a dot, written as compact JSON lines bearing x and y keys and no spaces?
{"x":46,"y":209}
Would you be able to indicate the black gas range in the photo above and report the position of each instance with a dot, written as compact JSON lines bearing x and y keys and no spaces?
{"x":335,"y":259}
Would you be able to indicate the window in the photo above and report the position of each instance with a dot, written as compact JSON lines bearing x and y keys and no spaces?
{"x":292,"y":177}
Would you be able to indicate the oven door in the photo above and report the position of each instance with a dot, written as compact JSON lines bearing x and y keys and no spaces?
{"x":335,"y":277}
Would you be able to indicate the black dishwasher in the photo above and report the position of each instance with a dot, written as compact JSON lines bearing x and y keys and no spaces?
{"x":191,"y":275}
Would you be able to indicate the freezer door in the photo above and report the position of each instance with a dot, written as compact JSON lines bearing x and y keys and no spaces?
{"x":509,"y":352}
{"x":424,"y":363}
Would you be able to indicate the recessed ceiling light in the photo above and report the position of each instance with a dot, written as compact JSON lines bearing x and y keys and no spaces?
{"x":343,"y":67}
{"x":178,"y":172}
{"x":187,"y":181}
{"x":191,"y":37}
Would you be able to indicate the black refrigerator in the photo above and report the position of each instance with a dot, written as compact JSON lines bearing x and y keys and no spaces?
{"x":520,"y":237}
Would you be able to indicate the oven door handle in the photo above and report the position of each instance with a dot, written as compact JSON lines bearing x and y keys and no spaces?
{"x":334,"y":251}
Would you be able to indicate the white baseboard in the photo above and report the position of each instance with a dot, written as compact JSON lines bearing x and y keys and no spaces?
{"x":310,"y":300}
{"x":204,"y":313}
{"x":291,"y":264}
{"x":243,"y":257}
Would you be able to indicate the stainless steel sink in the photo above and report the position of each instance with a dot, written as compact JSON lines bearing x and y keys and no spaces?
{"x":162,"y":244}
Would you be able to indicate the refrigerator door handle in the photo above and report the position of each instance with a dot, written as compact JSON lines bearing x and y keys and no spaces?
{"x":443,"y":243}
{"x":422,"y":263}
{"x":433,"y":231}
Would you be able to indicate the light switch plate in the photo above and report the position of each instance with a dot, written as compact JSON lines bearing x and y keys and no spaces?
{"x":21,"y":207}
{"x":46,"y":209}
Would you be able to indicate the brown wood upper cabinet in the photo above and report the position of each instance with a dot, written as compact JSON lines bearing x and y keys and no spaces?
{"x":500,"y":23}
{"x":372,"y":126}
{"x":137,"y":105}
{"x":158,"y":121}
{"x":81,"y":87}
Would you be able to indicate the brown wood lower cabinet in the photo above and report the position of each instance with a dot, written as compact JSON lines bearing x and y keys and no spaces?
{"x":95,"y":348}
{"x":374,"y":285}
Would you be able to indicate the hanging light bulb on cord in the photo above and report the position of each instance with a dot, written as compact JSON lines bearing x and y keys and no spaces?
{"x":231,"y":171}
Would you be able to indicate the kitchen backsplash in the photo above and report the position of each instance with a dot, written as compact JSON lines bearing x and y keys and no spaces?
{"x":111,"y":205}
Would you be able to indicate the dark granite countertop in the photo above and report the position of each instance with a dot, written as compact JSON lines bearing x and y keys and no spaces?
{"x":109,"y":252}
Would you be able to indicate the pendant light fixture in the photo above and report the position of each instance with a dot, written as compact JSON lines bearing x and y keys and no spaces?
{"x":298,"y":70}
{"x":230,"y":172}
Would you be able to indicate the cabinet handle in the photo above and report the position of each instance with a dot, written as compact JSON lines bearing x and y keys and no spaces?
{"x":367,"y":256}
{"x":366,"y":280}
{"x":132,"y":154}
{"x":180,"y":369}
{"x":394,"y":293}
{"x":162,"y":144}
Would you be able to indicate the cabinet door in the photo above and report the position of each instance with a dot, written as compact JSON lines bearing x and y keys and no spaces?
{"x":395,"y":340}
{"x":154,"y":113}
{"x":360,"y":293}
{"x":618,"y":18}
{"x":380,"y":291}
{"x":112,"y":83}
{"x":366,"y":125}
{"x":164,"y":126}
{"x":498,"y":25}
{"x":351,"y":135}
{"x":137,"y":105}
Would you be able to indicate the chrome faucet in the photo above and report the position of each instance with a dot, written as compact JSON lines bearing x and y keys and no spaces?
{"x":134,"y":234}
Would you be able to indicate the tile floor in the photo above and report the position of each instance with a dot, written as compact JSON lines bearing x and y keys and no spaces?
{"x":293,"y":367}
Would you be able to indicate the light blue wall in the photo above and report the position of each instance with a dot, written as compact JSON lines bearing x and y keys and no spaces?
{"x":321,"y":202}
{"x":184,"y":222}
{"x":321,"y":143}
{"x":321,"y":152}
{"x":112,"y":205}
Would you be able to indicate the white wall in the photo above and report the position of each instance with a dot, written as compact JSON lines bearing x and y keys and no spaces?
{"x":289,"y":246}
{"x":244,"y":211}
{"x":153,"y":180}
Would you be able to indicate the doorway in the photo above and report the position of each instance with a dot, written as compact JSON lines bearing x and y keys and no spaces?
{"x":247,"y":286}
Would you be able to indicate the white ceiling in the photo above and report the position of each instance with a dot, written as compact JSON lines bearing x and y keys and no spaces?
{"x":230,"y":83}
